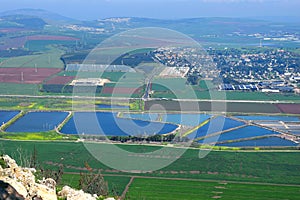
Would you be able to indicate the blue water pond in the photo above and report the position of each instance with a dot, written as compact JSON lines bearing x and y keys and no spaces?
{"x":37,"y":122}
{"x":5,"y":116}
{"x":270,"y":118}
{"x":183,"y":119}
{"x":265,"y":142}
{"x":107,"y":123}
{"x":142,"y":116}
{"x":217,"y":124}
{"x":246,"y":132}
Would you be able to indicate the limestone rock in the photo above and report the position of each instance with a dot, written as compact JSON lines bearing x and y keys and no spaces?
{"x":7,"y":191}
{"x":23,"y":181}
{"x":17,"y":183}
{"x":72,"y":194}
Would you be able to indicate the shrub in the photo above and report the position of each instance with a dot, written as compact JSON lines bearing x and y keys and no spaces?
{"x":93,"y":183}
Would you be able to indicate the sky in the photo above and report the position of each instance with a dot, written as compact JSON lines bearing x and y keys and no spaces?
{"x":163,"y":9}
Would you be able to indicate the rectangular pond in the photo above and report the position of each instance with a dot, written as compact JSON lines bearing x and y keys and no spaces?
{"x":107,"y":123}
{"x":182,"y":119}
{"x":264,"y":142}
{"x":217,"y":124}
{"x":5,"y":116}
{"x":269,"y":118}
{"x":242,"y":133}
{"x":37,"y":122}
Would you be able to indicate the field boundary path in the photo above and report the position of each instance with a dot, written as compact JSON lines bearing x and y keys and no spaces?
{"x":126,"y":188}
{"x":192,"y":179}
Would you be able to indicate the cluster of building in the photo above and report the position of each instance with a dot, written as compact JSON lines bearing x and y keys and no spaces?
{"x":193,"y":61}
{"x":98,"y":68}
{"x":249,"y":87}
{"x":268,"y":87}
{"x":255,"y":69}
{"x":75,"y":27}
{"x":174,"y":72}
{"x":255,"y":65}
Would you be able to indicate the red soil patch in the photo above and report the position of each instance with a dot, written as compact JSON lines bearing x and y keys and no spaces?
{"x":13,"y":43}
{"x":11,"y":30}
{"x":60,"y":80}
{"x":118,"y":90}
{"x":26,"y":75}
{"x":289,"y":108}
{"x":19,"y":42}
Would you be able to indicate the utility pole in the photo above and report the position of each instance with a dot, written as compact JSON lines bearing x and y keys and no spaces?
{"x":22,"y":77}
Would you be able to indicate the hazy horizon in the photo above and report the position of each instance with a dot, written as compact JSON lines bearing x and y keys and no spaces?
{"x":161,"y":9}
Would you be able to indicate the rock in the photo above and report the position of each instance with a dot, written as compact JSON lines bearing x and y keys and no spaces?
{"x":20,"y":189}
{"x":17,"y":183}
{"x":72,"y":194}
{"x":23,"y":181}
{"x":49,"y":182}
{"x":7,"y":191}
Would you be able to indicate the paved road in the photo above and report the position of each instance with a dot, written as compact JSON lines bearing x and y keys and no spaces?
{"x":149,"y":99}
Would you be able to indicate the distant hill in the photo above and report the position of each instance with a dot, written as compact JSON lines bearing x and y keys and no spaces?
{"x":24,"y":21}
{"x":47,"y":16}
{"x":192,"y":26}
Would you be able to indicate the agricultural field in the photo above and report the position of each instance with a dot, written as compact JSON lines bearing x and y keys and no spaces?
{"x":142,"y":188}
{"x":60,"y":80}
{"x":26,"y":75}
{"x":44,"y":45}
{"x":18,"y":89}
{"x":177,"y":88}
{"x":289,"y":108}
{"x":49,"y":59}
{"x":56,"y":104}
{"x":205,"y":106}
{"x":165,"y":91}
{"x":256,"y":166}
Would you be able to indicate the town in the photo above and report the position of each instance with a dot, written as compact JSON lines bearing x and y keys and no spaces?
{"x":257,"y":69}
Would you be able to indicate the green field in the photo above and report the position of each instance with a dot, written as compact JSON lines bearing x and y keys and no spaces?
{"x":112,"y":76}
{"x":228,"y":174}
{"x":61,"y":104}
{"x":50,"y":59}
{"x":18,"y":89}
{"x":184,"y":189}
{"x":268,"y":167}
{"x":176,"y":88}
{"x":198,"y":93}
{"x":44,"y":45}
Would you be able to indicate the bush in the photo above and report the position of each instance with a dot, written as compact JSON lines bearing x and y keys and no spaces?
{"x":93,"y":183}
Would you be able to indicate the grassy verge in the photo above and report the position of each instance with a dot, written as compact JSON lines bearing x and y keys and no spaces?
{"x":49,"y":135}
{"x":60,"y":104}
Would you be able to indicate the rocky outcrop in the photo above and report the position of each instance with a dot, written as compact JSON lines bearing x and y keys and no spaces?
{"x":21,"y":182}
{"x":70,"y":193}
{"x":17,"y":183}
{"x":7,"y":191}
